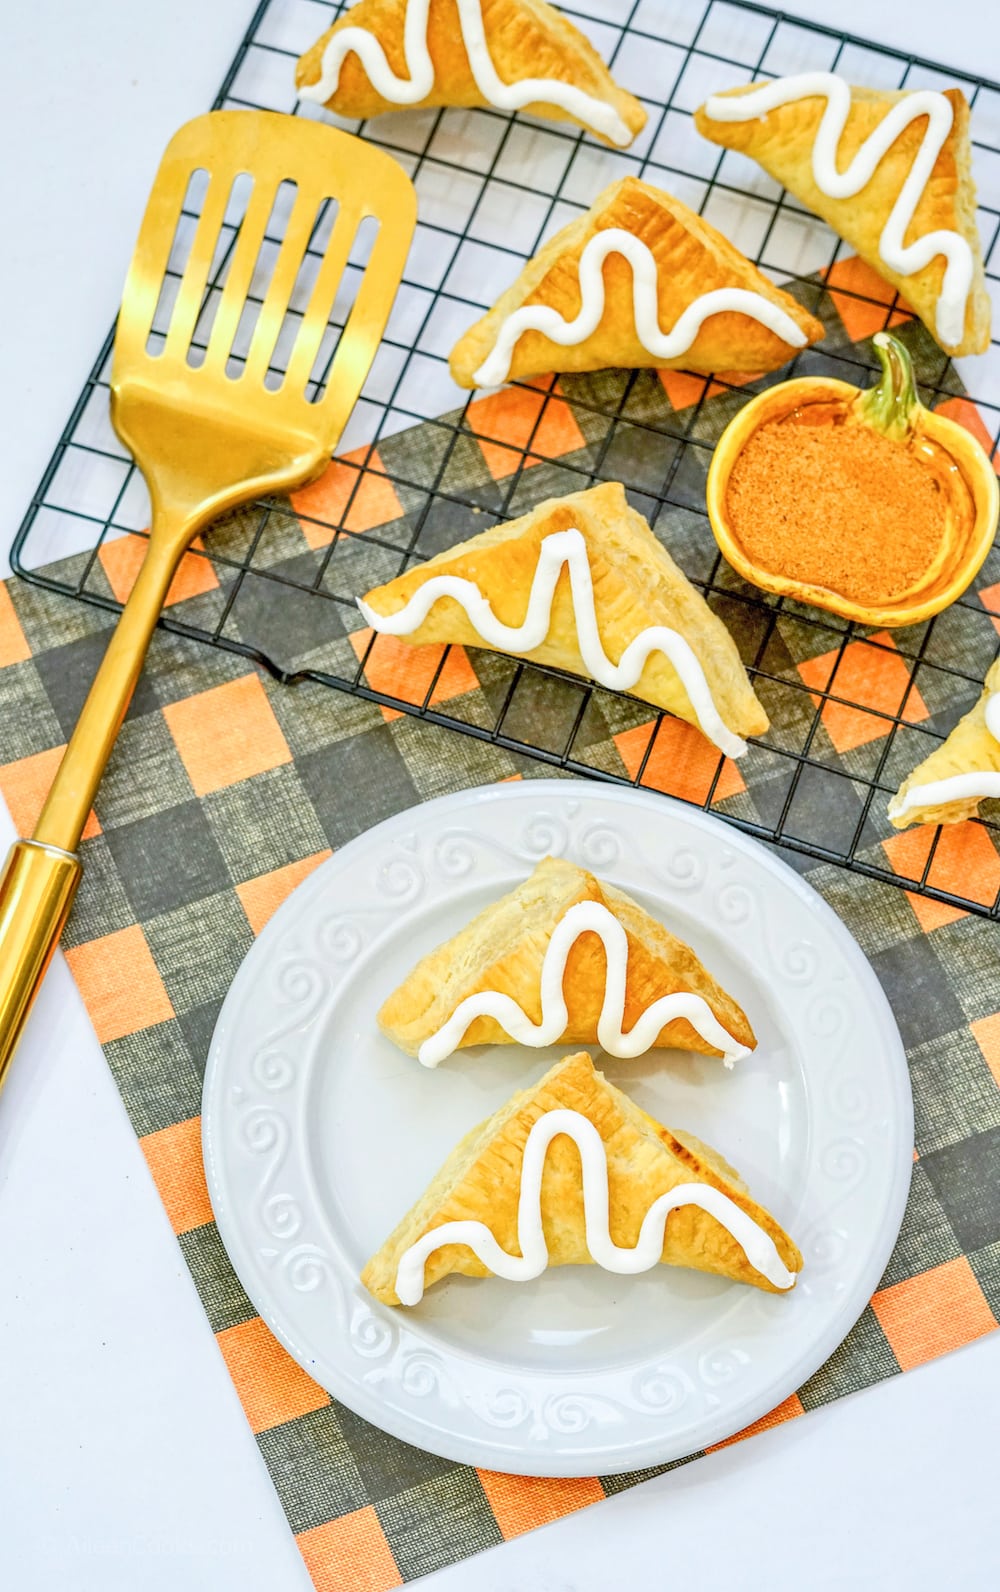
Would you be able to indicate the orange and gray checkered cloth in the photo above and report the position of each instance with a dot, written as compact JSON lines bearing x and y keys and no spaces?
{"x":226,"y":789}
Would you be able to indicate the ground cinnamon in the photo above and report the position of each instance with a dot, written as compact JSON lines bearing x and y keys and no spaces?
{"x":818,"y":498}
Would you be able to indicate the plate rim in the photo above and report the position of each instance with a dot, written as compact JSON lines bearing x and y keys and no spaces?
{"x":713,"y":1429}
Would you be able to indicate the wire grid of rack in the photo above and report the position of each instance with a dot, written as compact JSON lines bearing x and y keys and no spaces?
{"x":491,"y":188}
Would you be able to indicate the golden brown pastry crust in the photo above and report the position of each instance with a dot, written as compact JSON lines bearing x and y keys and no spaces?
{"x":481,"y":1179}
{"x":527,"y":38}
{"x":969,"y":748}
{"x":692,"y":258}
{"x":782,"y":142}
{"x":636,"y":584}
{"x":503,"y":948}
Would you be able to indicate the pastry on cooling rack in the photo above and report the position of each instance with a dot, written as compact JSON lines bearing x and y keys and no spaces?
{"x":386,"y":55}
{"x":564,"y":959}
{"x":639,"y":280}
{"x":948,"y":786}
{"x":890,"y":171}
{"x":582,"y":584}
{"x":570,"y":1173}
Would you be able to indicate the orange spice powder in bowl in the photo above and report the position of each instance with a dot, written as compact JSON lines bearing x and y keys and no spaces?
{"x":863,"y":503}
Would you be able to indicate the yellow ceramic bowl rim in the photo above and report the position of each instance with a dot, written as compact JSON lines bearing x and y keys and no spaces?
{"x":982,"y":482}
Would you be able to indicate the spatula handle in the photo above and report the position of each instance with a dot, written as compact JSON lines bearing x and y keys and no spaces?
{"x":37,"y":887}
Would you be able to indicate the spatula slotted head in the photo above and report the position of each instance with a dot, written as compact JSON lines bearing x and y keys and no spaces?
{"x":209,"y":428}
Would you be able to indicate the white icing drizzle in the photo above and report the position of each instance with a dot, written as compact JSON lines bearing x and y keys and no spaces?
{"x":645,"y":308}
{"x":586,"y":917}
{"x":900,"y":257}
{"x":973,"y":786}
{"x":570,"y":549}
{"x":410,"y":90}
{"x":758,"y":1246}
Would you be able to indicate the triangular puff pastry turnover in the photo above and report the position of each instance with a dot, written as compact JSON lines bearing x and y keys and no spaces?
{"x":639,"y":280}
{"x":890,"y":171}
{"x":509,"y":1200}
{"x":948,"y":786}
{"x":581,"y":583}
{"x":386,"y":55}
{"x":564,"y":959}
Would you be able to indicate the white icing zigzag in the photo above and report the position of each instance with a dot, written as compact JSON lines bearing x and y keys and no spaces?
{"x":974,"y":786}
{"x":586,"y":917}
{"x":566,"y":548}
{"x":904,"y":259}
{"x":758,"y":1246}
{"x":594,"y":113}
{"x":645,"y":308}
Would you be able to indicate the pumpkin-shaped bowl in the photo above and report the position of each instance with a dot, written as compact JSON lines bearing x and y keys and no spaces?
{"x":891,"y":407}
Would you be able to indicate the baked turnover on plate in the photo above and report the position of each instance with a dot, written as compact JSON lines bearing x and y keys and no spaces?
{"x":948,"y":786}
{"x":564,"y":959}
{"x":517,"y":55}
{"x":572,"y":1172}
{"x":581,"y":583}
{"x":890,"y":171}
{"x":639,"y":280}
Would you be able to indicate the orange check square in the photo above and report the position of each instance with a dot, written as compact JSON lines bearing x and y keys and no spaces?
{"x":684,"y":390}
{"x":506,"y":423}
{"x":25,"y":785}
{"x":990,"y":599}
{"x":121,"y":559}
{"x":174,"y":1157}
{"x":520,"y":1503}
{"x":272,"y":1388}
{"x":120,"y":983}
{"x":260,"y":898}
{"x":682,"y":762}
{"x":227,"y":734}
{"x":13,"y":642}
{"x":353,"y":492}
{"x":350,"y":1554}
{"x":872,"y":677}
{"x":864,"y":299}
{"x":932,"y":1314}
{"x":965,"y":863}
{"x":986,"y":1033}
{"x":787,"y":1411}
{"x":406,"y":672}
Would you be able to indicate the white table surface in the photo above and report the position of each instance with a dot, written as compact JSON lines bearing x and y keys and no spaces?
{"x":125,"y":1460}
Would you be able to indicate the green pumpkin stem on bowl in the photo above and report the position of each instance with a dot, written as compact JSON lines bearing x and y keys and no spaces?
{"x":892,"y":404}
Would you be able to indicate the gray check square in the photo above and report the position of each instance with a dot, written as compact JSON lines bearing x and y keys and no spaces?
{"x":198,"y":948}
{"x":226,"y":1305}
{"x":864,"y":1351}
{"x":145,"y":775}
{"x":966,"y":1180}
{"x":159,"y":1081}
{"x":168,"y":860}
{"x":926,"y":1238}
{"x":438,"y":1521}
{"x":353,"y":784}
{"x":265,"y":822}
{"x":919,"y":990}
{"x":312,"y":1468}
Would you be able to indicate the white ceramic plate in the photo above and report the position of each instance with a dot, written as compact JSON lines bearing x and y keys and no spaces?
{"x":319,"y":1135}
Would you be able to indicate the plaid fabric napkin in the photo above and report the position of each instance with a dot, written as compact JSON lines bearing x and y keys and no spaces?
{"x":226,"y":789}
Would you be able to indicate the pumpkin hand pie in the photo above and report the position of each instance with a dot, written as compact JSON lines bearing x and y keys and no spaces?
{"x":582,"y":584}
{"x":947,"y":787}
{"x":564,"y":959}
{"x":570,"y":1173}
{"x":386,"y":55}
{"x":891,"y":172}
{"x":638,"y":281}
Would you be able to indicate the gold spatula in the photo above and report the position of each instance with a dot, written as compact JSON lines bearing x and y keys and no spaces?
{"x":204,"y":439}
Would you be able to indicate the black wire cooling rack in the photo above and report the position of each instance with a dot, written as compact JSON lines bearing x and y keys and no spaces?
{"x":423,"y":466}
